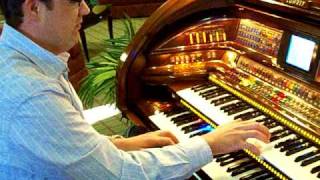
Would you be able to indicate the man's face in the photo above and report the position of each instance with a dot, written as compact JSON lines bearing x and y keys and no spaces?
{"x":60,"y":25}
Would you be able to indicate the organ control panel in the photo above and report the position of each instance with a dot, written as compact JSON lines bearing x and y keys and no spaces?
{"x":198,"y":64}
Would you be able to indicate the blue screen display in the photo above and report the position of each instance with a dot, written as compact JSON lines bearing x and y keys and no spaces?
{"x":300,"y":53}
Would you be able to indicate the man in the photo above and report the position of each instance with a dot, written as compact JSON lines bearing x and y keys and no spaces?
{"x":42,"y":131}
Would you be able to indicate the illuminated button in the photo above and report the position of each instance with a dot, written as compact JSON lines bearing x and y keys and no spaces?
{"x":197,"y":38}
{"x":281,"y":95}
{"x":224,"y":36}
{"x":204,"y":37}
{"x":217,"y":36}
{"x":191,"y":38}
{"x":211,"y":37}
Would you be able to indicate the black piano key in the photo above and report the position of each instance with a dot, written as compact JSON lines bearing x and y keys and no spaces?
{"x":185,"y":119}
{"x":315,"y":169}
{"x":194,"y":127}
{"x":227,"y":100}
{"x":243,"y":169}
{"x":267,"y":177}
{"x":255,"y":114}
{"x":288,"y":141}
{"x":188,"y":113}
{"x":266,"y":120}
{"x":220,"y":100}
{"x":201,"y":87}
{"x":182,"y":122}
{"x":310,"y":160}
{"x":182,"y":117}
{"x":185,"y":116}
{"x":219,"y":156}
{"x":200,"y":133}
{"x":248,"y":115}
{"x":281,"y":131}
{"x":229,"y":107}
{"x":280,"y":135}
{"x":233,"y":159}
{"x":226,"y":107}
{"x":255,"y":175}
{"x":217,"y":94}
{"x":224,"y":100}
{"x":210,"y":91}
{"x":298,"y":149}
{"x":238,"y":109}
{"x":175,"y":111}
{"x":236,"y":166}
{"x":271,"y":125}
{"x":292,"y":144}
{"x":229,"y":155}
{"x":277,"y":131}
{"x":223,"y":157}
{"x":306,"y":156}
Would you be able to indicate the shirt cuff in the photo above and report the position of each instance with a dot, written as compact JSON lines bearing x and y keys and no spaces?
{"x":198,"y":151}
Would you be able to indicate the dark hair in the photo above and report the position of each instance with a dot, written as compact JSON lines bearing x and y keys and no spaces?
{"x":12,"y":10}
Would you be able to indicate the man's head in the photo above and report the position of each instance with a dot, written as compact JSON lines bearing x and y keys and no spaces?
{"x":12,"y":10}
{"x":53,"y":24}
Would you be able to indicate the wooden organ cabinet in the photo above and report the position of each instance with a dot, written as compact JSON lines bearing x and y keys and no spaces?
{"x":197,"y":64}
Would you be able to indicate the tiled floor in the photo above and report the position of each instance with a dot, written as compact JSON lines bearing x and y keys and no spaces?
{"x":95,"y":38}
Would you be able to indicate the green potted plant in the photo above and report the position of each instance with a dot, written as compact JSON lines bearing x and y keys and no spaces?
{"x":91,"y":2}
{"x":101,"y":81}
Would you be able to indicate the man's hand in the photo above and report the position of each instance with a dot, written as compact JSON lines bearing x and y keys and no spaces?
{"x":233,"y":137}
{"x":148,"y":140}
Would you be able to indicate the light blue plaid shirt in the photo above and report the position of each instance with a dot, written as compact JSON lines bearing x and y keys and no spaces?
{"x":43,"y":134}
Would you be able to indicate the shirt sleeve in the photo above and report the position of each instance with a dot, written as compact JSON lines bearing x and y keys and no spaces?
{"x":48,"y":125}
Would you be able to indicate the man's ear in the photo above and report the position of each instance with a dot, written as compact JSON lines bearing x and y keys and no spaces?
{"x":31,"y":9}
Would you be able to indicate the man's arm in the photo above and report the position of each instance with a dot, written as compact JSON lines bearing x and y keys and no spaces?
{"x":48,"y":126}
{"x":227,"y":138}
{"x":147,"y":140}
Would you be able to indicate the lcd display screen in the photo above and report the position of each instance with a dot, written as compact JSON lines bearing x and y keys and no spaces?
{"x":300,"y":52}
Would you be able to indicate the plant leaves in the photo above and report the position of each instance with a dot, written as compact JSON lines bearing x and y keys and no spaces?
{"x":101,"y":81}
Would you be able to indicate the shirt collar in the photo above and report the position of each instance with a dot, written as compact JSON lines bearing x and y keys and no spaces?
{"x":64,"y":57}
{"x":48,"y":62}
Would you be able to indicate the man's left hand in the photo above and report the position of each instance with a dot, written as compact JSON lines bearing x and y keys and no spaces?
{"x":154,"y":139}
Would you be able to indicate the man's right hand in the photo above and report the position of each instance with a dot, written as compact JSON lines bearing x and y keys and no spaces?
{"x":233,"y":137}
